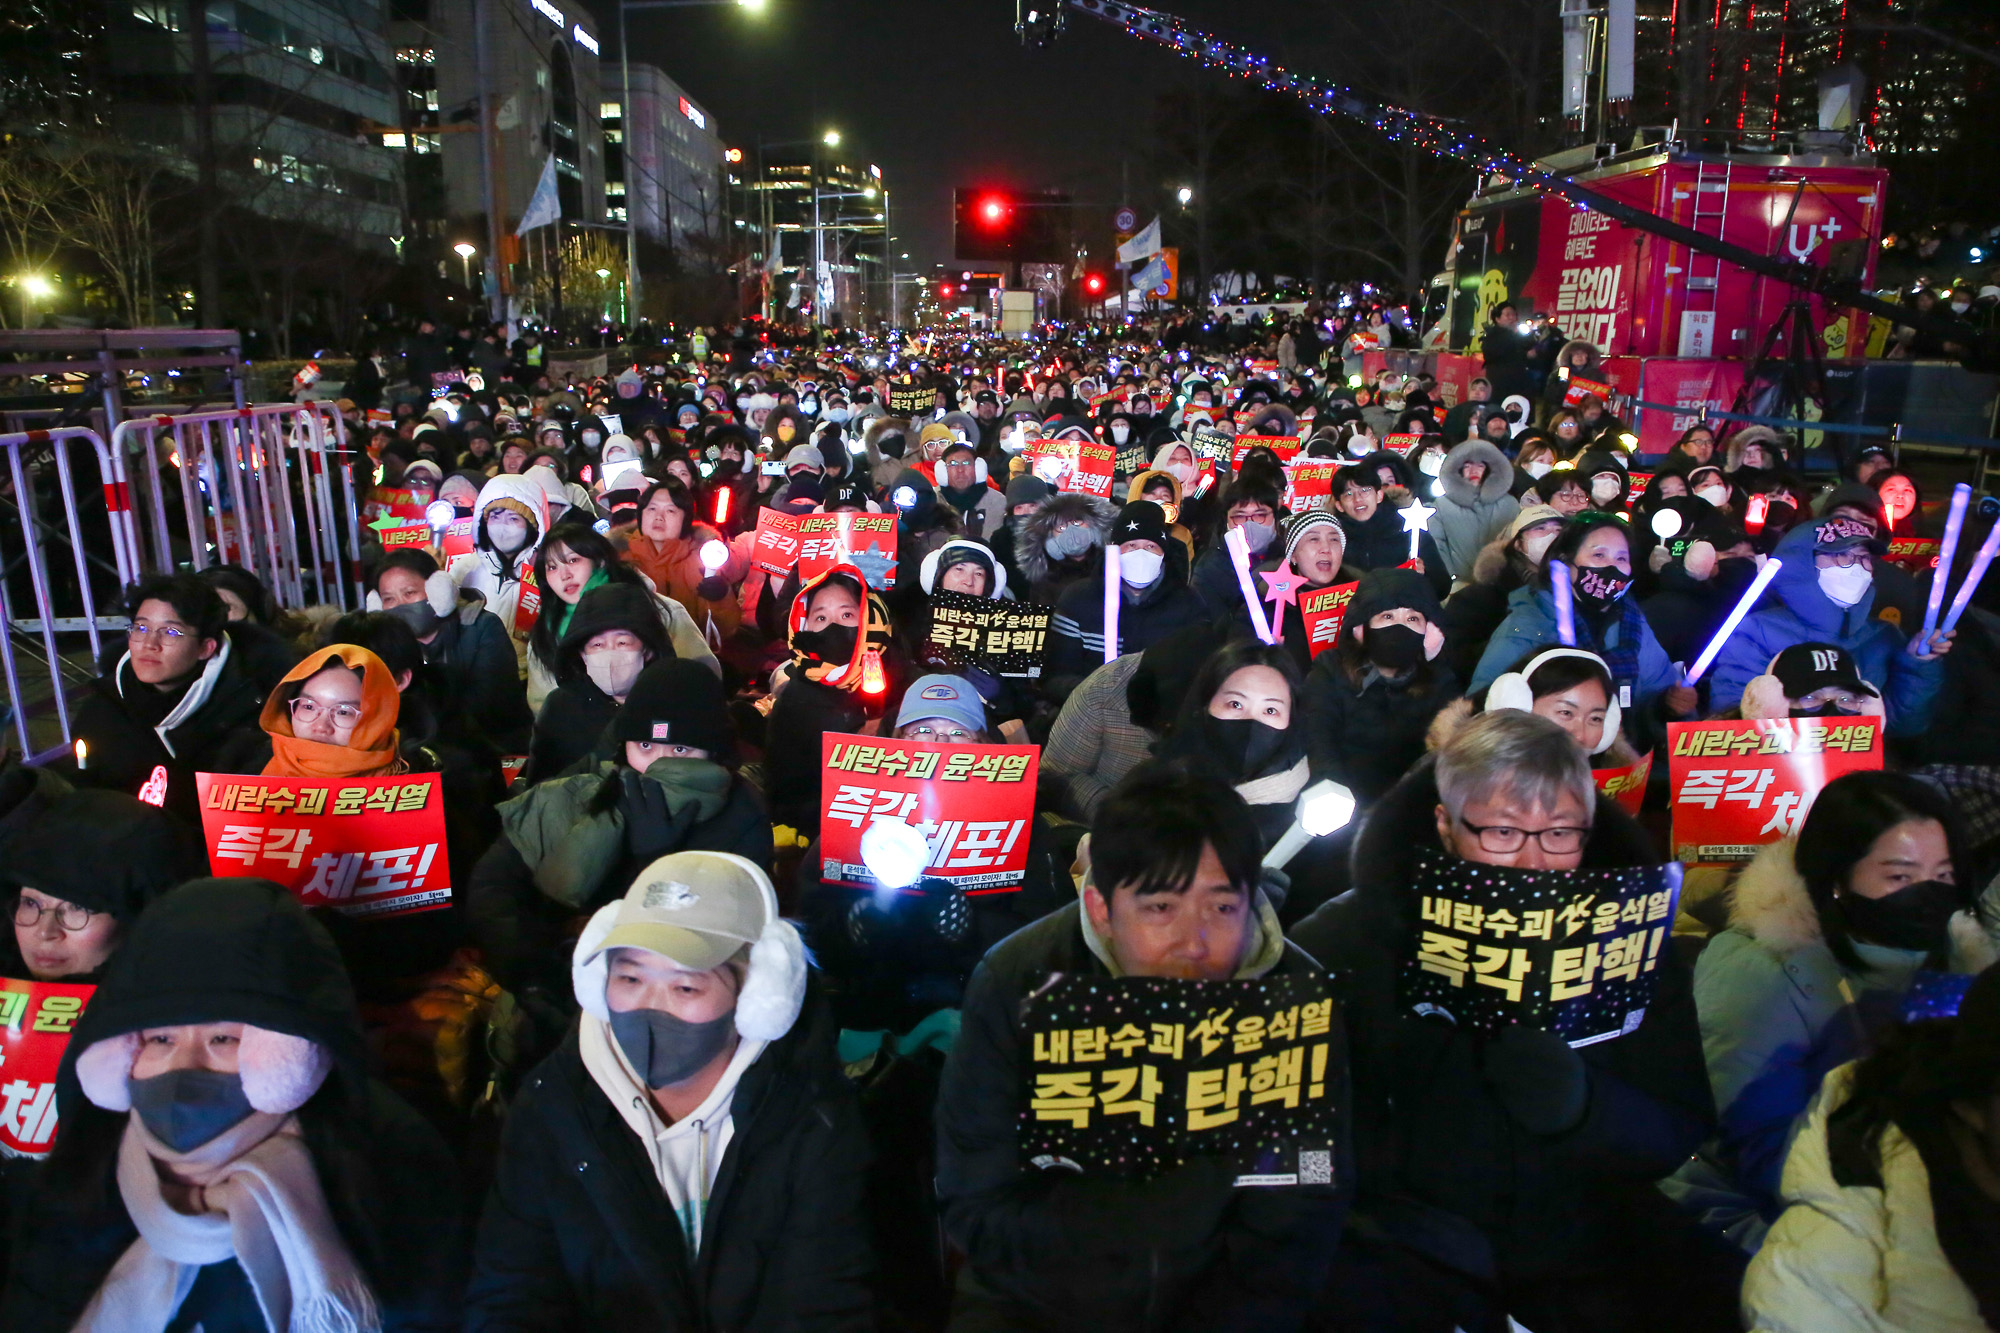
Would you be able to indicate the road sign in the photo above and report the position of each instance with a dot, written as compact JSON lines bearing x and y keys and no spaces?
{"x":1125,"y":219}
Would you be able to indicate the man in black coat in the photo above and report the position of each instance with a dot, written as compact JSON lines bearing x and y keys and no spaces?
{"x":1376,"y":537}
{"x":1506,"y":348}
{"x":1504,"y":1175}
{"x":1049,"y":1249}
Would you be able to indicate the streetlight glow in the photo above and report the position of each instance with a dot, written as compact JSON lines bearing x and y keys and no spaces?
{"x":465,"y":250}
{"x":35,"y":285}
{"x":754,"y":6}
{"x":831,"y":139}
{"x":1186,"y":196}
{"x":604,"y":273}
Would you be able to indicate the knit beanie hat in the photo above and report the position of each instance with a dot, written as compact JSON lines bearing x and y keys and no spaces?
{"x":677,"y":702}
{"x":1141,"y":520}
{"x":104,"y":851}
{"x":1028,"y":489}
{"x":1389,"y":590}
{"x":1300,"y":524}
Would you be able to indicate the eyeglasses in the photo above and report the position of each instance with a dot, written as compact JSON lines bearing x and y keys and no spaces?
{"x":69,"y":916}
{"x":1504,"y":840}
{"x":307,"y":709}
{"x":171,"y":633}
{"x":1850,"y":558}
{"x":932,"y":734}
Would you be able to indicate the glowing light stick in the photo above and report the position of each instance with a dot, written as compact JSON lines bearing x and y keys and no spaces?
{"x":713,"y":556}
{"x":1112,"y":599}
{"x":1961,"y":496}
{"x":1416,"y":520}
{"x":1281,"y":587}
{"x":722,"y":504}
{"x":1239,"y":555}
{"x":1736,"y":614}
{"x":1565,"y":599}
{"x":1972,"y":577}
{"x":82,"y":755}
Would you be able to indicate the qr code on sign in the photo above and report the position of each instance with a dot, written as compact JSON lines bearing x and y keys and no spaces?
{"x":1315,"y":1166}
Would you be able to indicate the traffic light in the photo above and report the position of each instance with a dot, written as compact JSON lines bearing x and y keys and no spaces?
{"x":993,"y":210}
{"x":1093,"y":284}
{"x":994,"y":225}
{"x":944,"y":291}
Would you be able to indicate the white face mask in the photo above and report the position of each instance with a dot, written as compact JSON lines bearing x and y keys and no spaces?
{"x":1605,"y":489}
{"x":1538,"y":469}
{"x":591,"y":437}
{"x":1846,"y":587}
{"x":836,"y":413}
{"x":1184,"y":473}
{"x":1960,"y":307}
{"x":1141,"y":569}
{"x":1715,"y":495}
{"x":1536,"y":544}
{"x":614,"y":670}
{"x":1120,"y":432}
{"x":1430,"y":464}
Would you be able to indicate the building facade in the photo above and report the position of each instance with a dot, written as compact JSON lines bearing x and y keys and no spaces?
{"x":663,"y":166}
{"x":809,"y":208}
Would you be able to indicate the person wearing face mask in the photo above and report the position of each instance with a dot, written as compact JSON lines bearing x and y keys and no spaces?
{"x":835,"y":623}
{"x":1596,"y":552}
{"x":1506,"y":1174}
{"x":508,"y":523}
{"x":463,"y":642}
{"x":612,"y":633}
{"x":964,"y":486}
{"x":1475,"y":504}
{"x":1603,"y":475}
{"x":662,"y":778}
{"x":1826,"y":933}
{"x":1154,"y":601}
{"x":1252,"y":503}
{"x":1061,"y":543}
{"x":1824,"y":594}
{"x":690,"y":1156}
{"x":225,"y":1162}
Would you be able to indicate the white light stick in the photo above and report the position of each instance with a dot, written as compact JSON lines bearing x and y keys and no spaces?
{"x":1972,"y":577}
{"x":1565,"y":599}
{"x":714,"y":555}
{"x":440,"y":513}
{"x":1961,"y":496}
{"x":1324,"y":807}
{"x":894,"y":852}
{"x":1112,"y":599}
{"x":1239,"y":555}
{"x":1736,"y":614}
{"x":1416,"y":521}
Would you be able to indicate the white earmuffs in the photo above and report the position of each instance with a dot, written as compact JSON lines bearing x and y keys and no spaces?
{"x":439,"y":590}
{"x":927,"y":572}
{"x":1513,"y":691}
{"x":774,"y":988}
{"x":280,"y":1072}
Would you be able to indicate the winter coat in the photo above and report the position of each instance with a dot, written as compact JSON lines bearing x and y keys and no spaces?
{"x":1366,"y":736}
{"x":1076,"y":634}
{"x":1686,"y":611}
{"x":1855,"y":1258}
{"x":1429,"y":1130}
{"x":882,"y":469}
{"x":1093,"y":744}
{"x":1048,"y":1251}
{"x":1969,"y":696}
{"x":1470,"y":516}
{"x":496,"y":577}
{"x":211,"y":728}
{"x":1531,"y":624}
{"x":1046,"y":580}
{"x":1472,"y":613}
{"x":805,"y":711}
{"x":675,"y":569}
{"x":1795,"y":610}
{"x":1506,"y":355}
{"x":688,"y":642}
{"x":1778,"y":1012}
{"x":1383,"y":543}
{"x":986,"y":511}
{"x":570,"y":725}
{"x":474,"y":659}
{"x":577,"y":1233}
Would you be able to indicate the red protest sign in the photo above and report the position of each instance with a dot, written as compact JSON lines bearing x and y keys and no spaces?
{"x":972,"y":803}
{"x":1916,"y":554}
{"x":1284,"y":446}
{"x":364,"y":846}
{"x":1074,"y":465}
{"x":1579,"y":386}
{"x":404,"y":535}
{"x":1402,"y":442}
{"x":528,"y":609}
{"x":458,"y":537}
{"x":1324,"y":609}
{"x":1309,"y":484}
{"x":1635,"y":486}
{"x":511,"y":766}
{"x":35,"y":1022}
{"x":1626,"y":785}
{"x":1738,"y":786}
{"x":394,"y":501}
{"x":816,"y":543}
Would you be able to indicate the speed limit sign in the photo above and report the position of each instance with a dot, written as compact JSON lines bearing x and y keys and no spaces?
{"x":1125,"y":220}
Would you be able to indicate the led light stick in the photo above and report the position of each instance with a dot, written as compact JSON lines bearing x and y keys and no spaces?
{"x":1112,"y":599}
{"x":1239,"y":555}
{"x":1972,"y":577}
{"x":1565,"y":599}
{"x":1741,"y":609}
{"x":1954,"y":523}
{"x":1416,"y":521}
{"x":1281,"y":588}
{"x":1324,"y":807}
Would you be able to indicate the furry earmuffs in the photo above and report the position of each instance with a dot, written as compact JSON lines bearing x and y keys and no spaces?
{"x":280,"y":1072}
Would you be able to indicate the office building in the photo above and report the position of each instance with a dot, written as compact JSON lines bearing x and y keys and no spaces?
{"x":807,"y":207}
{"x":663,"y":167}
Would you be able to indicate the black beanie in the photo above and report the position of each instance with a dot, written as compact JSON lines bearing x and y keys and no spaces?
{"x":677,"y":702}
{"x":1141,"y":521}
{"x":103,"y":850}
{"x":1387,"y":590}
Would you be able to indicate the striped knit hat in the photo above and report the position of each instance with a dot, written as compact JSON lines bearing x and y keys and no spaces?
{"x":1300,"y":524}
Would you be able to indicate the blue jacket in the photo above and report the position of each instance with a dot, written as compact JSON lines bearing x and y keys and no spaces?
{"x":1794,"y":610}
{"x":1531,"y":624}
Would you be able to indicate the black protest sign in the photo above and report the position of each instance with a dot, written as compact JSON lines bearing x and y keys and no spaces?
{"x":1574,"y":952}
{"x":1133,"y":1076}
{"x":1210,"y":444}
{"x":1131,"y":459}
{"x":997,"y":637}
{"x":906,"y":400}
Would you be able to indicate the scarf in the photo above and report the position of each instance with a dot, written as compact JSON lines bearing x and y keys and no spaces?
{"x":597,"y":579}
{"x":1623,"y":659}
{"x":370,"y":750}
{"x":263,"y":1207}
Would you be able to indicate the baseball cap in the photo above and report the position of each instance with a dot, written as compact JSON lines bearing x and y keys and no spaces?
{"x":1805,"y":668}
{"x":1833,"y":535}
{"x":697,"y":909}
{"x":942,"y":696}
{"x":805,"y":455}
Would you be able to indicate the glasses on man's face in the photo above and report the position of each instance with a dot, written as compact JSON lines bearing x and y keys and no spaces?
{"x":308,"y":710}
{"x":950,"y":735}
{"x":1849,"y":559}
{"x":1504,"y":839}
{"x":167,"y":633}
{"x":27,"y":912}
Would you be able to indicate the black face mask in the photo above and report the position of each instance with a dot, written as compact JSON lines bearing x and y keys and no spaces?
{"x":185,"y":1108}
{"x":832,"y":645}
{"x":1394,"y":647}
{"x":806,"y":486}
{"x":1916,"y":916}
{"x":666,"y":1050}
{"x":1599,"y":589}
{"x":418,"y":615}
{"x":1244,"y":748}
{"x":1827,"y":709}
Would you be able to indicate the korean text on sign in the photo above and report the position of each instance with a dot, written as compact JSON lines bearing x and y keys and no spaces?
{"x":1626,"y":785}
{"x":1324,"y":609}
{"x":974,"y":804}
{"x":1573,"y":952}
{"x":1284,"y":446}
{"x":1738,"y":786}
{"x":364,"y":846}
{"x":815,"y":543}
{"x":36,"y":1018}
{"x":1074,"y":465}
{"x":999,"y":637}
{"x":1309,"y":484}
{"x":1135,"y":1075}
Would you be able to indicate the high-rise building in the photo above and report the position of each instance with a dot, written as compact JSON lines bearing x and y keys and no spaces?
{"x":663,"y":165}
{"x":813,"y":208}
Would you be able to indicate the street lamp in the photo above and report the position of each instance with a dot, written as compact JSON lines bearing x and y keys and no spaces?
{"x":831,"y":138}
{"x":466,"y":250}
{"x":34,"y":287}
{"x":1186,"y":196}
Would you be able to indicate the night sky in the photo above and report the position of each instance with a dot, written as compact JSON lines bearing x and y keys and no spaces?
{"x":940,"y":93}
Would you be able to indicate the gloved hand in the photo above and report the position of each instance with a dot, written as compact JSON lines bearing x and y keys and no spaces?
{"x":1544,"y":1085}
{"x":651,"y":828}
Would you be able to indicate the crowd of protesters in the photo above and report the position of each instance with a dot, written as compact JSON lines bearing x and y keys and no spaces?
{"x":648,"y":1069}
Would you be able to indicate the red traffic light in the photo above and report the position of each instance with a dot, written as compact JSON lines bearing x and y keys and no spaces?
{"x":944,"y":289}
{"x":1093,"y":283}
{"x":993,"y":210}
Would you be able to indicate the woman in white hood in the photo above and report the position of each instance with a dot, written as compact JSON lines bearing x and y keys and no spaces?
{"x":691,"y":1157}
{"x":508,"y":523}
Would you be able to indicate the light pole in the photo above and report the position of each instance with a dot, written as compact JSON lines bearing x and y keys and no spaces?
{"x":626,"y":120}
{"x":465,"y":251}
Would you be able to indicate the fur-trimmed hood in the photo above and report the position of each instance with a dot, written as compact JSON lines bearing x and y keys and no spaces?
{"x":1032,"y":531}
{"x":1773,"y":443}
{"x":1771,"y":905}
{"x":881,"y":468}
{"x":1499,"y":480}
